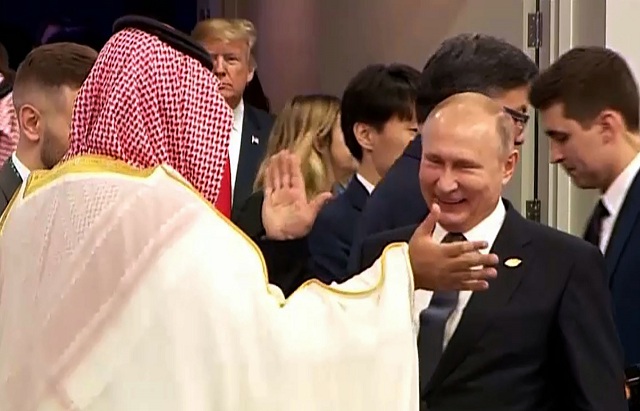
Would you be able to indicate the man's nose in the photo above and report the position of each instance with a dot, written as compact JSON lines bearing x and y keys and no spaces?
{"x":555,"y":154}
{"x":219,"y":68}
{"x":447,"y":182}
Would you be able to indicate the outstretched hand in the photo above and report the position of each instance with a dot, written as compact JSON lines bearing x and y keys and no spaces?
{"x":451,"y":266}
{"x":286,"y":212}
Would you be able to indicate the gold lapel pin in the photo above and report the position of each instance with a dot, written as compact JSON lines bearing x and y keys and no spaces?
{"x":513,"y":262}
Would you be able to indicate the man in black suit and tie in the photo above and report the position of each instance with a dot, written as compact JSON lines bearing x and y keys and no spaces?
{"x":44,"y":90}
{"x":589,"y":104}
{"x":230,"y":43}
{"x":542,"y":336}
{"x":467,"y":62}
{"x":378,"y":121}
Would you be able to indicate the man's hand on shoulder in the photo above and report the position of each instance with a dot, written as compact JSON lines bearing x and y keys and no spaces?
{"x":452,"y":266}
{"x":287,"y":214}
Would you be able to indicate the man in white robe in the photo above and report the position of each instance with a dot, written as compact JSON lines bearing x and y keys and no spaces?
{"x":122,"y":288}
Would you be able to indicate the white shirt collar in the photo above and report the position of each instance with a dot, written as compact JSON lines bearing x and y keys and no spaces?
{"x":238,"y":116}
{"x":21,"y":168}
{"x":617,"y":191}
{"x":367,"y":185}
{"x":487,"y":230}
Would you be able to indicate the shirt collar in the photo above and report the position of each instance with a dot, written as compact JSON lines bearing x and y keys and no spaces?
{"x":238,"y":116}
{"x":487,"y":230}
{"x":617,"y":191}
{"x":367,"y":185}
{"x":23,"y":171}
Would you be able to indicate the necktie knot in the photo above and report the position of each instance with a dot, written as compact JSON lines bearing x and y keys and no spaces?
{"x":601,"y":210}
{"x":453,"y":237}
{"x":594,"y":227}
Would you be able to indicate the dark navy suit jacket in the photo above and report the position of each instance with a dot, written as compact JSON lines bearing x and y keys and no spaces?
{"x":396,"y":202}
{"x":541,"y":338}
{"x":332,"y":234}
{"x":256,"y":128}
{"x":623,"y":265}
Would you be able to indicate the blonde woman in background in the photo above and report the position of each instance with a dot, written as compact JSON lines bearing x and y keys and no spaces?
{"x":308,"y":126}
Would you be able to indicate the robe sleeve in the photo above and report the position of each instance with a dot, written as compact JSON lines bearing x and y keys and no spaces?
{"x":205,"y":331}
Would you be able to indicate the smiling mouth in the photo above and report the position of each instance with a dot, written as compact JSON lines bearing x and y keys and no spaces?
{"x":450,"y":202}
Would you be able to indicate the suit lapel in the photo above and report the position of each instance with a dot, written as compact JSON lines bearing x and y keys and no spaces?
{"x":251,"y":148}
{"x":9,"y":179}
{"x":509,"y":244}
{"x":357,"y":194}
{"x":623,"y":226}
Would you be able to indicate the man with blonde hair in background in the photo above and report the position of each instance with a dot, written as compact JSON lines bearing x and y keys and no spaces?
{"x":231,"y":42}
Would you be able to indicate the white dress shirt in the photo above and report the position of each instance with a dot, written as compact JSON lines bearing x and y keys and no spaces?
{"x":235,"y":142}
{"x":613,"y":199}
{"x":367,"y":185}
{"x":487,"y":230}
{"x":23,"y":171}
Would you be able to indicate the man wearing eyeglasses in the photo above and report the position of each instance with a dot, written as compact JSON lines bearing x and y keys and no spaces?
{"x":467,"y":62}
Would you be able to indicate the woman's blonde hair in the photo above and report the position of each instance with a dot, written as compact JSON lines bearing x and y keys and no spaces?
{"x":304,"y":127}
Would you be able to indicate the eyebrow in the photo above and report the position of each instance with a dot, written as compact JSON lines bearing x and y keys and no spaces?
{"x":556,"y":134}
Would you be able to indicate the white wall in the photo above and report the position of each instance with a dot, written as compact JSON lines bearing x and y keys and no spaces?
{"x":622,"y":19}
{"x":318,"y":45}
{"x":307,"y":46}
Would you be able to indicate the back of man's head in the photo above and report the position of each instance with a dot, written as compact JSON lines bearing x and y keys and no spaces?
{"x":475,"y":63}
{"x":375,"y":95}
{"x":587,"y":81}
{"x":50,"y":67}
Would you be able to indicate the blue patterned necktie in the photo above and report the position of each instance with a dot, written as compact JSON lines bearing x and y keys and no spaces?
{"x":433,"y":321}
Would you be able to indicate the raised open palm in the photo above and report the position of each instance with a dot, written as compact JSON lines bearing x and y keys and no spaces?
{"x":286,"y":212}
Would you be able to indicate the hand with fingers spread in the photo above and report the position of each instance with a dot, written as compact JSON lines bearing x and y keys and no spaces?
{"x":452,"y":266}
{"x":287,"y":214}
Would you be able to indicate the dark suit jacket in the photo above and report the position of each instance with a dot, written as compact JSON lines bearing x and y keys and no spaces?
{"x":396,"y":202}
{"x":623,"y":263}
{"x":9,"y":182}
{"x":332,"y":234}
{"x":256,"y":127}
{"x":541,"y":338}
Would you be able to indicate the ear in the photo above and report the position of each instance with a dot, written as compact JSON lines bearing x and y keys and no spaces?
{"x":30,"y":122}
{"x":509,"y":166}
{"x":364,"y":135}
{"x":611,"y":124}
{"x":319,"y":143}
{"x":252,"y":69}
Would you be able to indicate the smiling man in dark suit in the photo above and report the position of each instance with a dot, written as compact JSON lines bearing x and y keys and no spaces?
{"x":44,"y":91}
{"x":230,"y":43}
{"x":589,"y":104}
{"x":542,"y":336}
{"x":467,"y":62}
